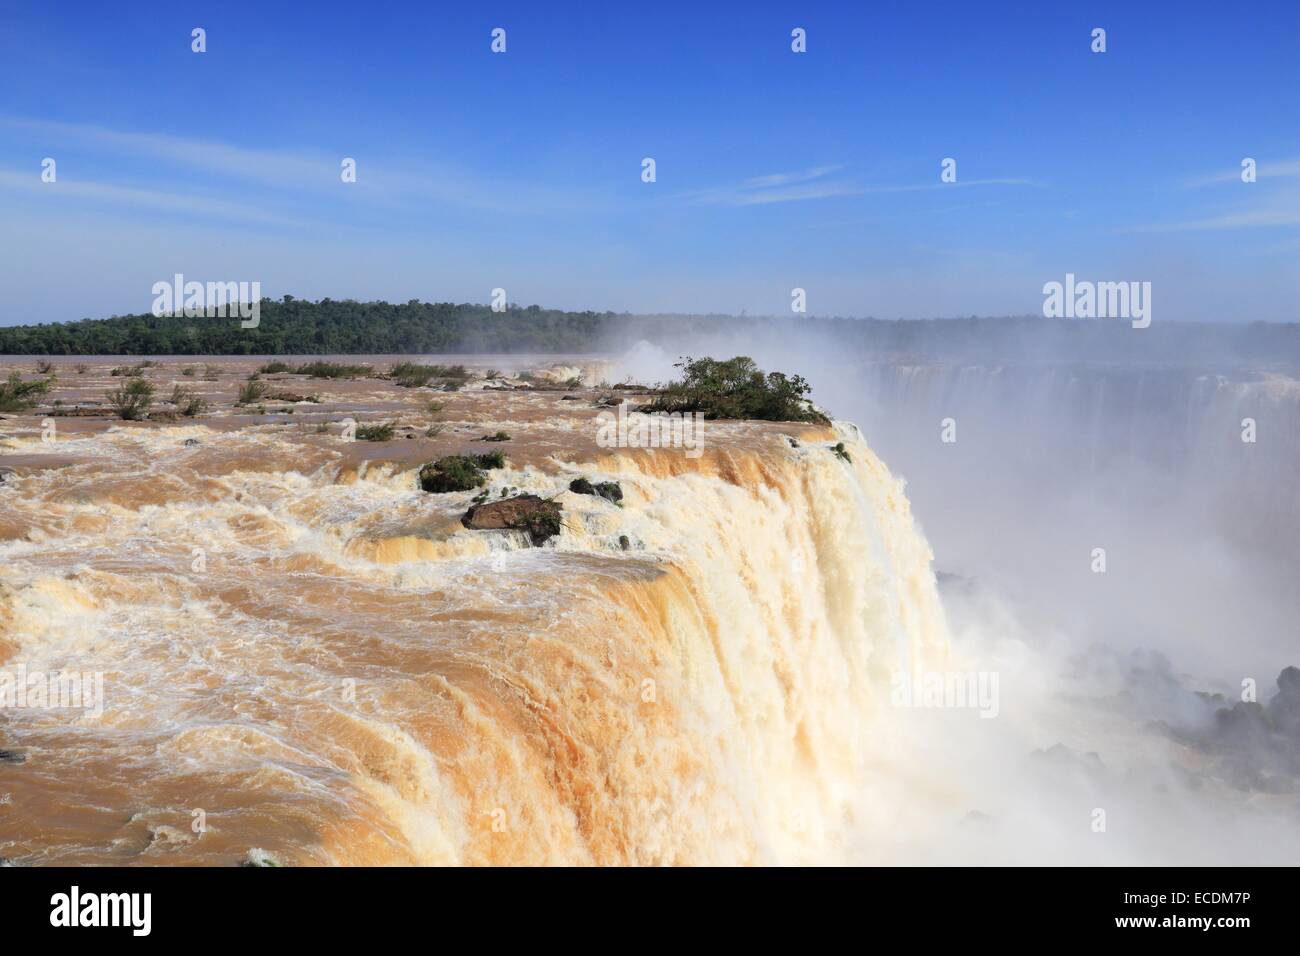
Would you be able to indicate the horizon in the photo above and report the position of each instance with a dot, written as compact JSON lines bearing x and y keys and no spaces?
{"x":516,"y":307}
{"x":774,"y":170}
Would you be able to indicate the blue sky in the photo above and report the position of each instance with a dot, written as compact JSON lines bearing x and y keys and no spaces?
{"x":774,"y":169}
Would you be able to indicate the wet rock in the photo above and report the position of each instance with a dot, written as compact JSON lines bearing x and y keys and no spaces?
{"x":609,"y":490}
{"x":624,"y":542}
{"x":570,"y":398}
{"x":540,"y":517}
{"x":458,"y":472}
{"x":12,"y":756}
{"x":7,"y":474}
{"x":191,"y":442}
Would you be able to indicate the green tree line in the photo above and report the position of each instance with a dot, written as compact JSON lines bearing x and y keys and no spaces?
{"x":292,"y":326}
{"x":297,"y":327}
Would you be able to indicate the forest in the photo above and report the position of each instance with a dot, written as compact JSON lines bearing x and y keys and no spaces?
{"x":292,"y":326}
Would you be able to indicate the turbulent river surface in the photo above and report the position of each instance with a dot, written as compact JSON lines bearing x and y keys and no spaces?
{"x":305,"y":658}
{"x":242,"y":637}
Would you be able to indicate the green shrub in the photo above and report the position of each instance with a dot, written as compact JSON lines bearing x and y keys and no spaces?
{"x":546,"y":523}
{"x":17,"y":395}
{"x":841,"y":453}
{"x":499,"y":436}
{"x":131,"y":400}
{"x":459,"y":472}
{"x":451,"y":473}
{"x":736,"y":388}
{"x":609,"y":490}
{"x":414,"y":375}
{"x":273,"y":368}
{"x":250,"y":392}
{"x":332,"y":370}
{"x":187,"y":403}
{"x":381,"y":431}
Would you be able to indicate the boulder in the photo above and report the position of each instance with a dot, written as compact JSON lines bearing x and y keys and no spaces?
{"x":540,"y":517}
{"x":609,"y":490}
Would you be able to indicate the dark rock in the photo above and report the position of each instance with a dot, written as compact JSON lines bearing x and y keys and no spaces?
{"x":6,"y":474}
{"x":191,"y":442}
{"x":540,"y":517}
{"x":624,"y":542}
{"x":609,"y":490}
{"x":12,"y":756}
{"x":570,"y":398}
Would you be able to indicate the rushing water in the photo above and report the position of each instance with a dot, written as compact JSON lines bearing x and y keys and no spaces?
{"x":307,"y":659}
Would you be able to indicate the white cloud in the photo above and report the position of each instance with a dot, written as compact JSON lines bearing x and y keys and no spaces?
{"x":813,"y":184}
{"x":30,"y":184}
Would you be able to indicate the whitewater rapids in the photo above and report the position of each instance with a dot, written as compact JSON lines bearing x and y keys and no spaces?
{"x":315,"y":660}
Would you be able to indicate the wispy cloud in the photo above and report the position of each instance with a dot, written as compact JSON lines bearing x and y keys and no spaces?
{"x":1265,"y":209}
{"x":317,"y":170}
{"x":786,"y":179}
{"x":29,"y":183}
{"x":817,"y":183}
{"x":275,"y":168}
